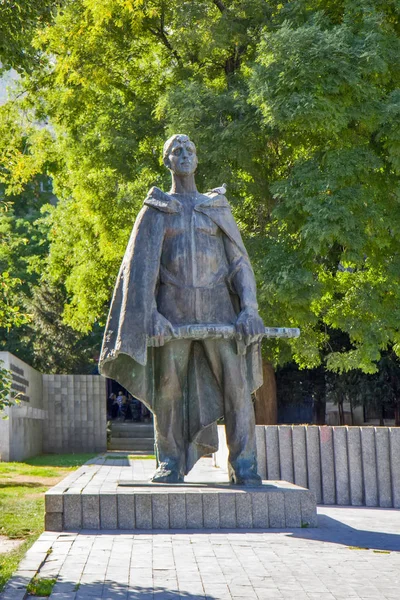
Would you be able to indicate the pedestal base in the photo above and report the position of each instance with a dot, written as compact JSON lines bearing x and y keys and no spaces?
{"x":145,"y":506}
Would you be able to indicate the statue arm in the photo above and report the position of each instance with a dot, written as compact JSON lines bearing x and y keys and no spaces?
{"x":249,"y":324}
{"x":241,"y":277}
{"x":148,"y":241}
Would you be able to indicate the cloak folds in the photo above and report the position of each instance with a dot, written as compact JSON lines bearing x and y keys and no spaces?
{"x":126,"y":356}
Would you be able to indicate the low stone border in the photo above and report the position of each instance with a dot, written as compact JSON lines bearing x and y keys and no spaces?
{"x":15,"y":588}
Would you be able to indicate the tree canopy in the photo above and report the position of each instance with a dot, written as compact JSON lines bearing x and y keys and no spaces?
{"x":19,"y":21}
{"x":295,"y":105}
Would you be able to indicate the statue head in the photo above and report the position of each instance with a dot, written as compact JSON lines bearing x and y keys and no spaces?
{"x":179,"y":155}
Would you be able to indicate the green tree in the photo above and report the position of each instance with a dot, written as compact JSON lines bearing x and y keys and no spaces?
{"x":294,"y":104}
{"x":23,"y":249}
{"x":19,"y":20}
{"x":56,"y":347}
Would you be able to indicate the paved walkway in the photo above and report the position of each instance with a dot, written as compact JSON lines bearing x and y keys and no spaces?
{"x":354,"y":554}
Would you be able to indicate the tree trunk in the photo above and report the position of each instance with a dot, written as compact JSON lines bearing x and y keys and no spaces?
{"x":265,"y":404}
{"x":319,"y":412}
{"x":397,"y":414}
{"x":341,"y":412}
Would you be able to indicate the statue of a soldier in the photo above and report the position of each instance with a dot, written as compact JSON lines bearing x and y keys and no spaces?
{"x":186,"y":264}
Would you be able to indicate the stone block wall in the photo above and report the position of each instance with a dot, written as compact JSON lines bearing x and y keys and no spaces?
{"x":357,"y":466}
{"x":76,"y":406}
{"x":21,"y":434}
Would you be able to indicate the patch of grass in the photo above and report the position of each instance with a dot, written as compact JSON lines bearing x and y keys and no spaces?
{"x":12,"y":470}
{"x":304,"y":525}
{"x":10,"y":560}
{"x":116,"y":457}
{"x":142,"y":456}
{"x":61,"y":460}
{"x":21,"y":511}
{"x":22,"y":501}
{"x":40,"y":587}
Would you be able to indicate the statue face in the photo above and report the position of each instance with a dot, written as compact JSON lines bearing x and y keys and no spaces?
{"x":182,"y":157}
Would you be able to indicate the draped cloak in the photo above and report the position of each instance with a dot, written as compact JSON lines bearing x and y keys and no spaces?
{"x":126,"y":356}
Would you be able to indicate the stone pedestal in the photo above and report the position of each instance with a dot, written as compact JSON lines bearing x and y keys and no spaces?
{"x":275,"y":504}
{"x":116,"y":494}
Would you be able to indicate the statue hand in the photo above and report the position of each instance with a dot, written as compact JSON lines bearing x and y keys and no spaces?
{"x":249,"y":326}
{"x":160,"y":328}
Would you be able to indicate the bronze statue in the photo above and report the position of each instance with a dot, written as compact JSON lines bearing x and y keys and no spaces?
{"x":186,"y":270}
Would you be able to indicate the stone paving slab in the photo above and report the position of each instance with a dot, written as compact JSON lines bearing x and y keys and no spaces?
{"x":111,"y":494}
{"x":354,"y":554}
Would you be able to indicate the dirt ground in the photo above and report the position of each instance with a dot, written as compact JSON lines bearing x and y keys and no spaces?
{"x":46,"y":481}
{"x":7,"y":545}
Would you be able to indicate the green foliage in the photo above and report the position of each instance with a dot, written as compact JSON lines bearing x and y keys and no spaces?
{"x":12,"y":313}
{"x":31,"y":309}
{"x":295,"y":105}
{"x":40,"y":586}
{"x":56,"y":347}
{"x":325,"y":84}
{"x":19,"y":20}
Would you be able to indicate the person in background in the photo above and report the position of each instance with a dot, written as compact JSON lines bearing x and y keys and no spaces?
{"x":121,"y":399}
{"x":110,"y":401}
{"x":114,"y":408}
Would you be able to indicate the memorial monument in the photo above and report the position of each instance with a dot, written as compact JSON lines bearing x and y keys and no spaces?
{"x":183,"y":333}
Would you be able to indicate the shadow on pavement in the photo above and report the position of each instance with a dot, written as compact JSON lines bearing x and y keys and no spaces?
{"x":113,"y":591}
{"x":336,"y":532}
{"x":328,"y":530}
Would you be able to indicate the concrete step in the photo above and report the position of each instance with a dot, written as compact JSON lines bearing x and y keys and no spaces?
{"x":133,"y":429}
{"x":132,"y":434}
{"x":132,"y":444}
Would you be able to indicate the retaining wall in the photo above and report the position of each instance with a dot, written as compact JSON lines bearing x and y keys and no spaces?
{"x":21,"y":434}
{"x":56,"y":413}
{"x":76,"y":406}
{"x":357,"y":466}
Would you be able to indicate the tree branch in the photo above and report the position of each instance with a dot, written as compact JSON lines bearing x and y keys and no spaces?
{"x":160,"y":33}
{"x":220,"y":5}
